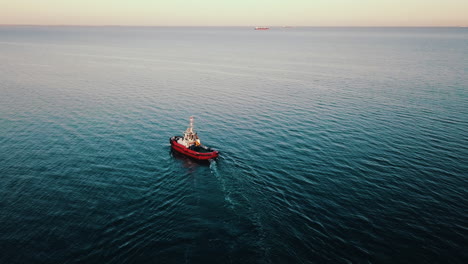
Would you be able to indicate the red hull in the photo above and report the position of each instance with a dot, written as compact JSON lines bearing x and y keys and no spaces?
{"x":194,"y":154}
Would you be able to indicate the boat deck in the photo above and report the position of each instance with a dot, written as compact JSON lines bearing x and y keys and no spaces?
{"x":200,"y":149}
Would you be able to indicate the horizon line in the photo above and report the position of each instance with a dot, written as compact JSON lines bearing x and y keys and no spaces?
{"x":273,"y":26}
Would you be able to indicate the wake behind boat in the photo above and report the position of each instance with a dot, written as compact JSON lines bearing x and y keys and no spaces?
{"x":190,"y":145}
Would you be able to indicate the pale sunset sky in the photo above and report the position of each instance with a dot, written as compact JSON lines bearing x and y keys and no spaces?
{"x":236,"y":12}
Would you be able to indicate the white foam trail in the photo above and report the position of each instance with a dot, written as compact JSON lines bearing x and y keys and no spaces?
{"x":214,"y":169}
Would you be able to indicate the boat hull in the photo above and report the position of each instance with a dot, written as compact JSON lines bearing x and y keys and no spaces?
{"x":191,"y":153}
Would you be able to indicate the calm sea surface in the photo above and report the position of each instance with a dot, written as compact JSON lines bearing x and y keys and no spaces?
{"x":337,"y":145}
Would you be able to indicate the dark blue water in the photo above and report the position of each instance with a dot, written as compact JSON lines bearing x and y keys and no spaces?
{"x":337,"y":145}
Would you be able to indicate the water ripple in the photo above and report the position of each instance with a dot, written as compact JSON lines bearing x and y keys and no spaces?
{"x":329,"y":151}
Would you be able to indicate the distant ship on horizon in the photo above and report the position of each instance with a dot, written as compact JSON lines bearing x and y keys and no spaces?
{"x":262,"y":28}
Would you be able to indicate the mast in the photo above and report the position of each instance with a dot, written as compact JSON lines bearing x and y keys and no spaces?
{"x":189,"y":129}
{"x":191,"y":124}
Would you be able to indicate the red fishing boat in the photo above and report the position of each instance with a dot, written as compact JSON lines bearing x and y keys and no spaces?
{"x":190,"y":145}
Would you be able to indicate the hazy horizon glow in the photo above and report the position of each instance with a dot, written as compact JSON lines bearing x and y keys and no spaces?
{"x":235,"y":13}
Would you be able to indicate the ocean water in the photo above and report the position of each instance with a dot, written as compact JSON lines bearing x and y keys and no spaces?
{"x":338,"y":145}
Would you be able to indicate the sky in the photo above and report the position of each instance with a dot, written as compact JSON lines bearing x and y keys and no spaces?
{"x":236,"y":12}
